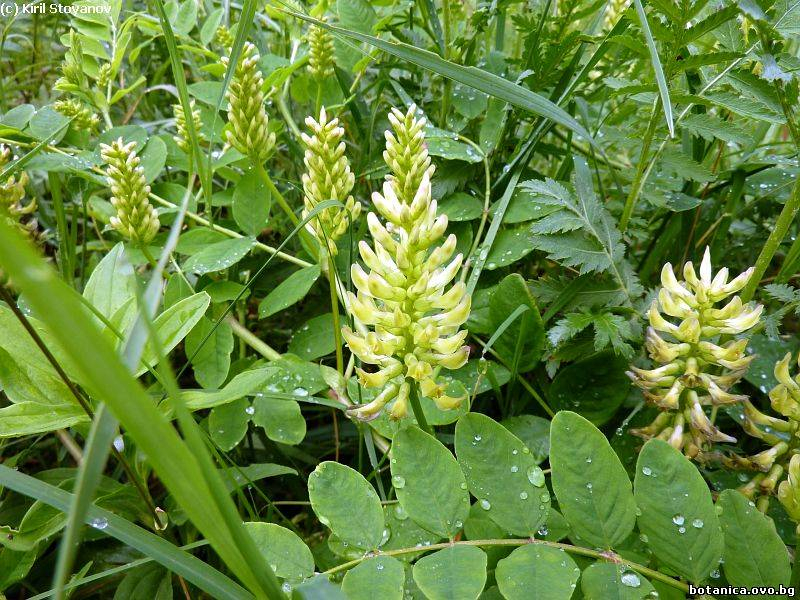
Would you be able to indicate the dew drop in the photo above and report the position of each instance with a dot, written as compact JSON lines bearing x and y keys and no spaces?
{"x":99,"y":523}
{"x":398,"y":482}
{"x":514,"y":468}
{"x":697,"y":523}
{"x":250,"y":410}
{"x":523,"y":495}
{"x":631,"y":580}
{"x":536,"y":476}
{"x":485,"y":504}
{"x":647,"y":471}
{"x":678,"y":520}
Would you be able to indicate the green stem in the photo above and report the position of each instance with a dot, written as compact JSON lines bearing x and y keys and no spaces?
{"x":337,"y":329}
{"x":639,"y":179}
{"x":416,"y":407}
{"x":447,"y":83}
{"x":597,"y":554}
{"x":276,"y":195}
{"x":773,"y":241}
{"x":249,"y":338}
{"x":318,"y":100}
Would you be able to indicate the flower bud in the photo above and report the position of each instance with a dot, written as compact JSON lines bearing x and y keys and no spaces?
{"x":182,"y":137}
{"x":320,"y":53}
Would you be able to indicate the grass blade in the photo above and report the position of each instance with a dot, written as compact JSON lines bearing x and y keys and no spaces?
{"x":473,"y":77}
{"x":108,"y":380}
{"x":173,"y":558}
{"x":663,"y":90}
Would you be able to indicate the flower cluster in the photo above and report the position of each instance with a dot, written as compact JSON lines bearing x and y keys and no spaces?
{"x":136,"y":219}
{"x":182,"y":137}
{"x":12,"y":193}
{"x":223,"y":37}
{"x":327,"y":177}
{"x":698,"y":361}
{"x":406,"y":296}
{"x":613,"y":12}
{"x":320,"y":53}
{"x":248,"y":124}
{"x":83,"y":117}
{"x":72,"y":77}
{"x":781,"y":434}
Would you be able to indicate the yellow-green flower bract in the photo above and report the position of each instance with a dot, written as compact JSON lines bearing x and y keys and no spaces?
{"x":72,"y":68}
{"x":84,"y":117}
{"x":327,"y":177}
{"x":248,"y":124}
{"x":136,"y":219}
{"x":12,"y":193}
{"x":697,"y":367}
{"x":406,"y":296}
{"x":182,"y":137}
{"x":223,"y":37}
{"x":789,"y":490}
{"x":320,"y":53}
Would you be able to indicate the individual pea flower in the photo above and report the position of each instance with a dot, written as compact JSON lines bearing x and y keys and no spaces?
{"x":406,"y":296}
{"x":248,"y":124}
{"x":789,"y":490}
{"x":136,"y":219}
{"x":12,"y":195}
{"x":327,"y":177}
{"x":223,"y":37}
{"x":613,"y":12}
{"x":697,"y":364}
{"x":182,"y":137}
{"x":320,"y":52}
{"x":83,"y":117}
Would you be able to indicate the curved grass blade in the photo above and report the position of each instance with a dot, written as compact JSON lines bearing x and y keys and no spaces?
{"x":473,"y":77}
{"x":663,"y":90}
{"x":158,"y":549}
{"x":108,"y":380}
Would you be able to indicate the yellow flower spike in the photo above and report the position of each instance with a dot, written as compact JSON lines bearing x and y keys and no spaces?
{"x":789,"y":489}
{"x":136,"y":219}
{"x":12,"y":195}
{"x":406,"y":290}
{"x":83,"y":118}
{"x":182,"y":137}
{"x":248,"y":124}
{"x":687,"y":334}
{"x":327,"y":177}
{"x":320,"y":52}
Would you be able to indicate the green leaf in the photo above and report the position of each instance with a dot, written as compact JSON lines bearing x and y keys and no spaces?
{"x":236,"y":476}
{"x":677,"y":514}
{"x":26,"y":418}
{"x":227,"y":424}
{"x":289,"y":291}
{"x":520,"y":346}
{"x":510,"y":245}
{"x":684,"y":167}
{"x":428,"y":481}
{"x":281,"y":419}
{"x":377,"y":577}
{"x":154,"y":157}
{"x":356,"y":14}
{"x":211,"y":361}
{"x":219,"y":256}
{"x":460,"y":207}
{"x":315,"y":339}
{"x":454,"y":573}
{"x":112,"y":283}
{"x":174,"y":324}
{"x":754,"y":553}
{"x":283,"y":550}
{"x":502,"y":474}
{"x":346,"y":503}
{"x":244,"y":384}
{"x":607,"y":581}
{"x":46,"y":123}
{"x":592,"y":487}
{"x":711,"y":128}
{"x":533,"y":431}
{"x":549,"y":571}
{"x":149,"y":582}
{"x":251,"y":203}
{"x":186,"y":17}
{"x":594,"y":387}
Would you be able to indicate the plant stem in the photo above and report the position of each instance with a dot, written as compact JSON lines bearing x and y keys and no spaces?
{"x":773,"y":241}
{"x":262,"y":173}
{"x":597,"y":554}
{"x":251,"y":340}
{"x":639,"y":179}
{"x":416,"y":407}
{"x":337,"y":329}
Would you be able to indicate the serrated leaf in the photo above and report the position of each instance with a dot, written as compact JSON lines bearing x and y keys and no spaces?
{"x":429,"y":483}
{"x":454,"y":573}
{"x":754,"y":553}
{"x":712,"y":128}
{"x":502,"y":474}
{"x":677,"y":514}
{"x":592,"y":486}
{"x":549,"y":571}
{"x":338,"y":494}
{"x":377,"y":577}
{"x":685,"y":167}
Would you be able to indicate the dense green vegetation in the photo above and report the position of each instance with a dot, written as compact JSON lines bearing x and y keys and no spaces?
{"x":398,"y":299}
